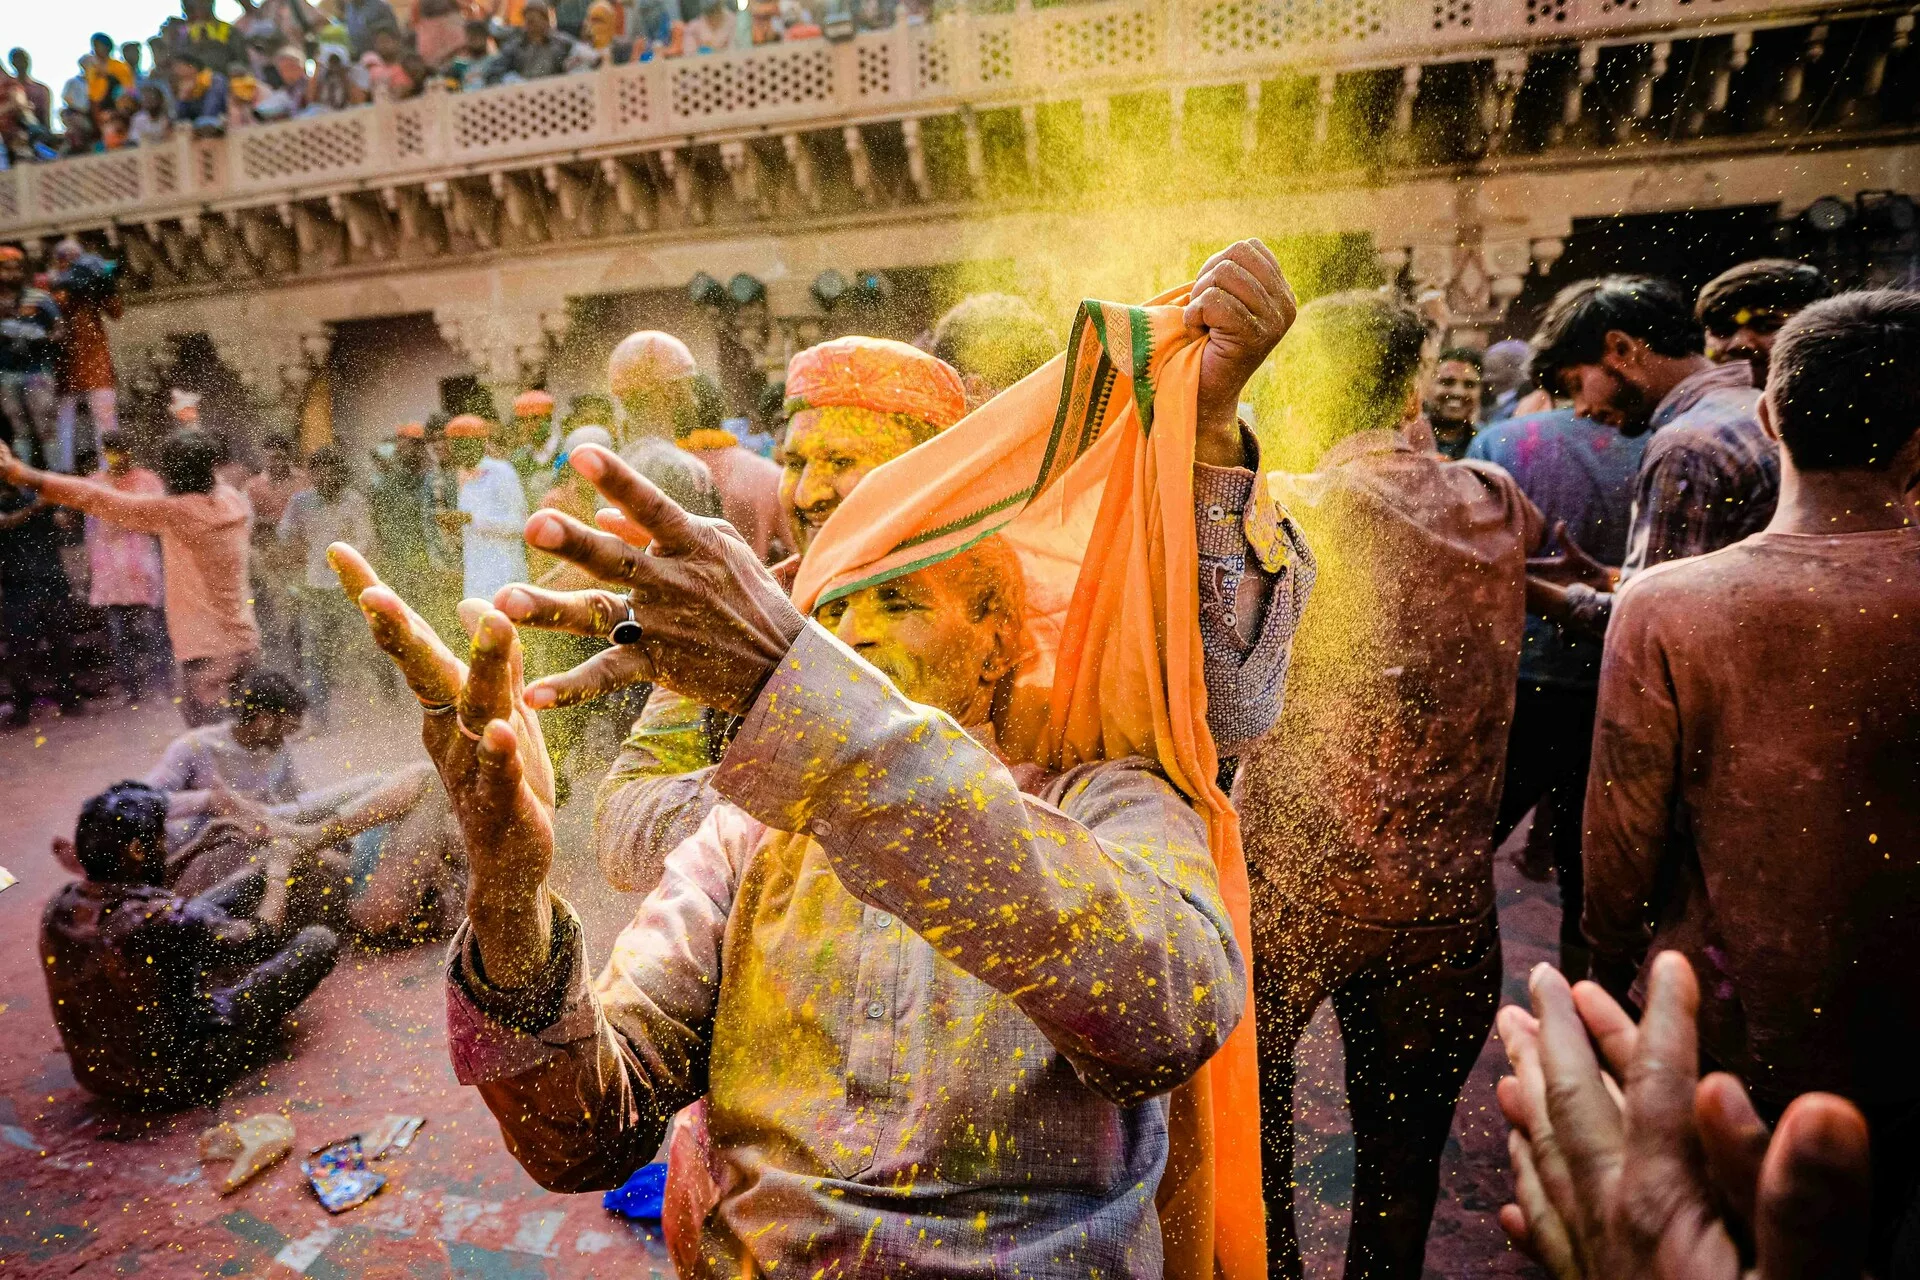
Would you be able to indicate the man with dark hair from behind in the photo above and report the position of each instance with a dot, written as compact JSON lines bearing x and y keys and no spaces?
{"x":1629,"y":353}
{"x":1368,"y":811}
{"x":1743,"y":307}
{"x":127,"y":964}
{"x":994,"y":340}
{"x":1755,"y":796}
{"x":202,"y":524}
{"x":1453,"y":400}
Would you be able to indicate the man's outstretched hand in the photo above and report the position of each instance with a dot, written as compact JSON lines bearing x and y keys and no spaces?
{"x":714,"y":622}
{"x":1656,"y":1178}
{"x":491,"y":759}
{"x":1244,"y":305}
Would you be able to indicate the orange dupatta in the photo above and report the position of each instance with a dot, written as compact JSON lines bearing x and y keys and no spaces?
{"x":1085,"y":468}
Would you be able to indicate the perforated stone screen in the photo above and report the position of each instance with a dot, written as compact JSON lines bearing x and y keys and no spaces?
{"x":632,"y":104}
{"x":932,"y":64}
{"x":317,"y":145}
{"x":789,"y":78}
{"x":410,"y":130}
{"x":88,"y":183}
{"x":1452,"y":14}
{"x":166,"y":173}
{"x":876,"y":70}
{"x":545,"y":109}
{"x":996,"y":56}
{"x":1241,"y":27}
{"x":9,"y":195}
{"x":1102,"y":41}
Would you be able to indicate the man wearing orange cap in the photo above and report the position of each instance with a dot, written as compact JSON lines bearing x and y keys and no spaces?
{"x":934,"y":1017}
{"x":491,"y":510}
{"x":530,"y":444}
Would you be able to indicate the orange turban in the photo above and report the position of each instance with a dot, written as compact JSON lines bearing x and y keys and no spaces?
{"x":469,"y":426}
{"x":533,"y":404}
{"x":410,"y":431}
{"x":647,"y":361}
{"x":877,"y":374}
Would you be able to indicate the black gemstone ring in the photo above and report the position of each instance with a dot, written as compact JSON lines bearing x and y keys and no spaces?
{"x":627,"y":630}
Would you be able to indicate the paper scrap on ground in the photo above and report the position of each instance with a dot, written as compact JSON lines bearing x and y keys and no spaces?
{"x":393,"y":1133}
{"x":252,"y":1144}
{"x":7,"y":879}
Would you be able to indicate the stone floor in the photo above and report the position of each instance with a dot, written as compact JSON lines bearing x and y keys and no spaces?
{"x":86,"y":1190}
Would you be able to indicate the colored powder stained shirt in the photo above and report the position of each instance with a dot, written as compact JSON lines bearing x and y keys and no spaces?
{"x":914,"y":1061}
{"x":1755,"y":804}
{"x":1710,"y":477}
{"x":203,"y":549}
{"x":1580,"y":472}
{"x":208,"y":757}
{"x":1374,"y":796}
{"x":125,"y":965}
{"x":493,"y":545}
{"x":123,"y":564}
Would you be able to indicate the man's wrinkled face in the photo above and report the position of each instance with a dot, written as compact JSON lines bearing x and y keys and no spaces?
{"x":1456,"y":392}
{"x":923,"y":630}
{"x":827,"y":454}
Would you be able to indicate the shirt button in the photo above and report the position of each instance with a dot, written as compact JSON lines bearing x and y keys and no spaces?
{"x":1216,"y":513}
{"x":883,"y":920}
{"x":875,"y":1009}
{"x":823,"y":829}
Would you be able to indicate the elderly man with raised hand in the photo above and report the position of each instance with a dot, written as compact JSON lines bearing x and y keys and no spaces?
{"x":857,"y":403}
{"x":911,"y":1048}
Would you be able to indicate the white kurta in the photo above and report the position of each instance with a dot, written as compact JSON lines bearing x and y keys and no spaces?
{"x":495,"y":552}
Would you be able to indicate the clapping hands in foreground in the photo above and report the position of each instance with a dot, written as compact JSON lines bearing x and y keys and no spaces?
{"x":1648,"y":1170}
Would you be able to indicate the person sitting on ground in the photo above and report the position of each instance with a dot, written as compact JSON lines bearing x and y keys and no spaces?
{"x":1452,"y":401}
{"x":993,"y":340}
{"x":1755,"y":792}
{"x":802,"y":881}
{"x":749,"y":484}
{"x":202,"y":524}
{"x":162,"y":999}
{"x":381,"y":838}
{"x":1743,"y":308}
{"x":1646,"y":1169}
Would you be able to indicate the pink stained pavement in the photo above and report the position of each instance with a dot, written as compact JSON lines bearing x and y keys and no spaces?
{"x":88,"y":1190}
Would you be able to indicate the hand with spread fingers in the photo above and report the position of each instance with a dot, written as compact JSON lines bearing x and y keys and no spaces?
{"x":491,"y":759}
{"x":1244,"y":305}
{"x":695,"y":609}
{"x":1660,"y":1178}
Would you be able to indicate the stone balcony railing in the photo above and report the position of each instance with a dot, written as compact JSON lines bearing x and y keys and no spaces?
{"x":905,"y":74}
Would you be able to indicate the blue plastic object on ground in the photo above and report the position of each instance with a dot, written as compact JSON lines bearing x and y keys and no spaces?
{"x":639,"y":1196}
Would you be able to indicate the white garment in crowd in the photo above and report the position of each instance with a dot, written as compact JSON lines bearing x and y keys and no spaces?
{"x":495,"y":550}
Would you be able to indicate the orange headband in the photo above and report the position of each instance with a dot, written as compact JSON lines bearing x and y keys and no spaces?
{"x":878,"y":374}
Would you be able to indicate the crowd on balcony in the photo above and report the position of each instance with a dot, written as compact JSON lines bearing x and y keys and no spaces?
{"x":287,"y":58}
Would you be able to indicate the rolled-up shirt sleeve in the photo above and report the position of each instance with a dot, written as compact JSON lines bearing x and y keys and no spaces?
{"x":584,"y":1076}
{"x":1101,"y":918}
{"x":1256,"y":573}
{"x":656,"y":794}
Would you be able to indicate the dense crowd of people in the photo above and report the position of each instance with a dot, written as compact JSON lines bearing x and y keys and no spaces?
{"x":283,"y":59}
{"x":1036,"y":736}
